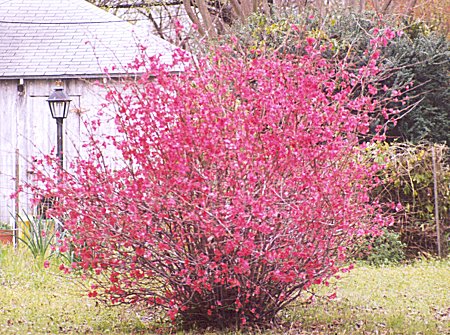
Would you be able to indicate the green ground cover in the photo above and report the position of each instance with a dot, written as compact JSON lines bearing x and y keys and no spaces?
{"x":407,"y":299}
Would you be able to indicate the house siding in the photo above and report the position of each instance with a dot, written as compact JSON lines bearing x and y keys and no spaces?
{"x":27,"y":131}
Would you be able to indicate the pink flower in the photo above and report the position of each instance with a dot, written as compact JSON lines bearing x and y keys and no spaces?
{"x":310,"y":40}
{"x":92,"y":294}
{"x":390,"y":34}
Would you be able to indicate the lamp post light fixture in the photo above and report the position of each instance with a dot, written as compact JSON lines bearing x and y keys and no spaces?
{"x":59,"y":103}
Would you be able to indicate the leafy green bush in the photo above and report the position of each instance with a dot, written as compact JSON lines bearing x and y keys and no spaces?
{"x":423,"y":59}
{"x":417,"y":61}
{"x":382,"y":250}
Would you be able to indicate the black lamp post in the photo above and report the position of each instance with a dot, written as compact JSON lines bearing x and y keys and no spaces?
{"x":59,"y":103}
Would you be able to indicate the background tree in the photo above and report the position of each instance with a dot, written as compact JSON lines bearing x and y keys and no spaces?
{"x":215,"y":18}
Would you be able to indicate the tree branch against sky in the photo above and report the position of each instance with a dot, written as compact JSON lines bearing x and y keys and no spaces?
{"x":215,"y":17}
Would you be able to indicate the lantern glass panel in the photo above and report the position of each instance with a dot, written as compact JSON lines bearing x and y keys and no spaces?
{"x":58,"y":110}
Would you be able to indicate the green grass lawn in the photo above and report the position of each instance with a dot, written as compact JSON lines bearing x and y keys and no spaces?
{"x":410,"y":299}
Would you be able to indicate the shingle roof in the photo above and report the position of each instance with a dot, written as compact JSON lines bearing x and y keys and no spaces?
{"x":66,"y":38}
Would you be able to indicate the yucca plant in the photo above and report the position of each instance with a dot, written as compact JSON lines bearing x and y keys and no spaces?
{"x":38,"y":236}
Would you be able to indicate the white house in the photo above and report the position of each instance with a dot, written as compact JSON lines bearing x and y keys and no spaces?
{"x":42,"y":41}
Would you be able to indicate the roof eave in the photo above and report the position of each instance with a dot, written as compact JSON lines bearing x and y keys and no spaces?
{"x":69,"y":76}
{"x":78,"y":76}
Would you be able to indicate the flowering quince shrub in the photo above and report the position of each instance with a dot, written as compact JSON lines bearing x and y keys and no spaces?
{"x":239,"y":183}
